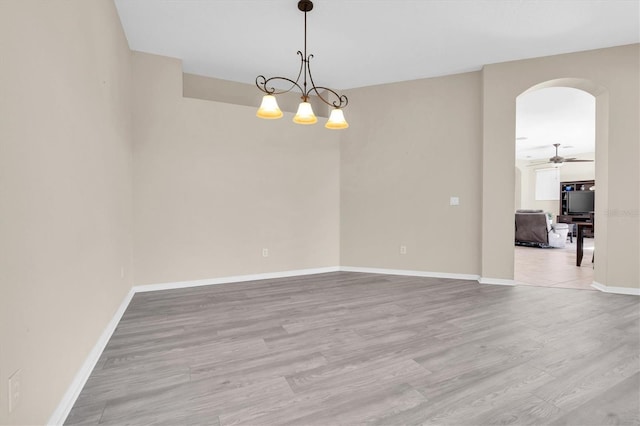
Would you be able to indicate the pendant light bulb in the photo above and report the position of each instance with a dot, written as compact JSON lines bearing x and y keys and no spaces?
{"x":336,"y":120}
{"x":305,"y":114}
{"x":269,"y":108}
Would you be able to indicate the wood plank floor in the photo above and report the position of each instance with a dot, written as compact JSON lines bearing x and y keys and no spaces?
{"x":350,"y":348}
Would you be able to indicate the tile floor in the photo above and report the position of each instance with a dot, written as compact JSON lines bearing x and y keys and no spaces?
{"x":554,"y":267}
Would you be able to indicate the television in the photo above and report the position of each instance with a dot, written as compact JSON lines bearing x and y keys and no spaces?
{"x":580,"y":202}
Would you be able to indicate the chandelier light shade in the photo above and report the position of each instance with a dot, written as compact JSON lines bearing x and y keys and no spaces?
{"x":269,"y":108}
{"x":336,"y":120}
{"x":305,"y":114}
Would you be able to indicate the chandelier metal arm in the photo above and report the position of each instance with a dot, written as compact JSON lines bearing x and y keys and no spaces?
{"x":342,"y":99}
{"x":341,"y":102}
{"x":305,"y":65}
{"x":262,"y":81}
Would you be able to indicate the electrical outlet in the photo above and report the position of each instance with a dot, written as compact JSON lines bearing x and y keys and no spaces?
{"x":15,"y":393}
{"x":454,"y":201}
{"x":403,"y":249}
{"x":265,"y":252}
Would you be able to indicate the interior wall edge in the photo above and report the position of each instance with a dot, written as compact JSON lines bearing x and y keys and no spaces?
{"x":233,"y":279}
{"x":410,"y":273}
{"x":61,"y":412}
{"x":496,"y":281}
{"x":232,"y":92}
{"x":629,"y":291}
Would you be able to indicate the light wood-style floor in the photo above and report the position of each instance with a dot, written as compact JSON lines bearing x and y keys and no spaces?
{"x":554,"y":267}
{"x":350,"y":348}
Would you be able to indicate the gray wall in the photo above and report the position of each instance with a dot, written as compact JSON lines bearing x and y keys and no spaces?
{"x":65,"y":192}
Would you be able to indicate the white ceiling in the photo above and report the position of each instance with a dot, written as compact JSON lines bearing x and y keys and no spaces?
{"x":555,"y":115}
{"x":365,"y":42}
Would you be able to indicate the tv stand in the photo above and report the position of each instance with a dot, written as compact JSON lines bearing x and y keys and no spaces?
{"x":574,"y":220}
{"x":566,"y":218}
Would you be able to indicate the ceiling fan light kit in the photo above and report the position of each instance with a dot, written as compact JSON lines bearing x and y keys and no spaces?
{"x":269,"y":108}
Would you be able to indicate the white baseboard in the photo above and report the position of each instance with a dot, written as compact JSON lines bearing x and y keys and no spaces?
{"x":409,"y":273}
{"x":496,"y":281}
{"x":616,"y":290}
{"x":234,"y":279}
{"x":62,"y":411}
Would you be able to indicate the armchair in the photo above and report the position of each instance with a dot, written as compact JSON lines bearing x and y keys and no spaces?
{"x":534,"y":228}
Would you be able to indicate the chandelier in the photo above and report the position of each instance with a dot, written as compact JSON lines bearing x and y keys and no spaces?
{"x":269,"y":107}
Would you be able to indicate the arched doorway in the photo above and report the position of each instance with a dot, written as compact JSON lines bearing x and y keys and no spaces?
{"x":564,"y":116}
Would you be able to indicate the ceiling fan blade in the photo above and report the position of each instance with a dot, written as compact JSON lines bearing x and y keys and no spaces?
{"x":538,"y":164}
{"x":573,"y":160}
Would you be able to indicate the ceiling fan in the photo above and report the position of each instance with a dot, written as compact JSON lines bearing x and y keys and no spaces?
{"x":556,"y":159}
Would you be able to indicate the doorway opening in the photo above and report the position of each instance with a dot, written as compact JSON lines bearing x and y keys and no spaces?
{"x":555,"y":154}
